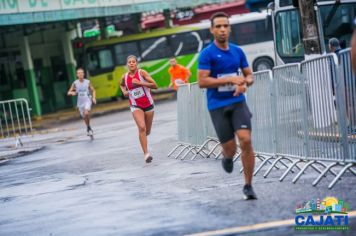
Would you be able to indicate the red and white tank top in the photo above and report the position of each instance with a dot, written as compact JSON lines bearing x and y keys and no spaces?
{"x":139,"y":96}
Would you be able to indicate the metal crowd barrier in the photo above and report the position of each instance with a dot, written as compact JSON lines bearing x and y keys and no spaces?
{"x":349,"y":79}
{"x":263,"y":119}
{"x":196,"y":133}
{"x":324,"y":106}
{"x":193,"y":131}
{"x":289,"y":113}
{"x":347,"y":97}
{"x":304,"y":116}
{"x":310,"y":118}
{"x":15,"y":120}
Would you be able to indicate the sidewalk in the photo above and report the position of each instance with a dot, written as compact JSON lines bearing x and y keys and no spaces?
{"x":47,"y":121}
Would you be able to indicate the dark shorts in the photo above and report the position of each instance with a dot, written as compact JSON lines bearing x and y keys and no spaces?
{"x":227,"y":120}
{"x":146,"y":109}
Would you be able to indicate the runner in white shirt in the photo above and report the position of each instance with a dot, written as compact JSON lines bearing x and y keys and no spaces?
{"x":86,"y":96}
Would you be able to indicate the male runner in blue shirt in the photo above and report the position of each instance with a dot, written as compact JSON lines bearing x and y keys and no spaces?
{"x":218,"y":71}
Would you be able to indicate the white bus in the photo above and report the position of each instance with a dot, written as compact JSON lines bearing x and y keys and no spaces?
{"x":254,"y":35}
{"x":334,"y":18}
{"x":106,"y":59}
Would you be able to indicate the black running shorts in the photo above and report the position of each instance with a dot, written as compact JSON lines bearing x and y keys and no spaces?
{"x":146,"y":109}
{"x":227,"y":120}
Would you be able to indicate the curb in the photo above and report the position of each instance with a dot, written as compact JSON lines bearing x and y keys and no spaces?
{"x":10,"y":154}
{"x":96,"y":112}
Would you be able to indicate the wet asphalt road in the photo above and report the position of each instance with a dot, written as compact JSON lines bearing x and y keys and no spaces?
{"x":75,"y":186}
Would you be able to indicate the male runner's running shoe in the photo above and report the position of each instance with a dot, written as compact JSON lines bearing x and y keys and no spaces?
{"x":227,"y":164}
{"x":249,"y":194}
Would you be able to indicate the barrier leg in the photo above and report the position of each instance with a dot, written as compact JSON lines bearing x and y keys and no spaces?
{"x":218,"y":155}
{"x":322,"y":174}
{"x":273,"y":164}
{"x":316,"y":168}
{"x":289,"y":169}
{"x":182,"y":150}
{"x":322,"y":164}
{"x":340,"y":174}
{"x":201,"y":148}
{"x":198,"y":152}
{"x":213,"y":149}
{"x":189,"y":150}
{"x":286,"y":165}
{"x":302,"y":171}
{"x":174,"y":149}
{"x":262,"y":164}
{"x":204,"y":156}
{"x":352,"y":171}
{"x":269,"y":162}
{"x":237,"y":157}
{"x":258,"y":156}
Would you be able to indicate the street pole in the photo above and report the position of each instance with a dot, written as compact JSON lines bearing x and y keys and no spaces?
{"x":137,"y":22}
{"x":102,"y":25}
{"x":311,"y":37}
{"x":167,"y":18}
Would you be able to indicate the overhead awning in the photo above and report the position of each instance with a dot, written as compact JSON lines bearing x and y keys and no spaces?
{"x":15,"y":12}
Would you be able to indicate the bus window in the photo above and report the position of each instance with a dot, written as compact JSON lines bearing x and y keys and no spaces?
{"x":288,"y":36}
{"x":185,"y":43}
{"x":105,"y":59}
{"x":93,"y":61}
{"x":154,"y":48}
{"x":337,"y":22}
{"x":286,"y":3}
{"x":100,"y":61}
{"x":251,"y":32}
{"x":123,"y":50}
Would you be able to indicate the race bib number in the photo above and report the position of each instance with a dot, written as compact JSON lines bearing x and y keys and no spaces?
{"x":178,"y":82}
{"x":82,"y":93}
{"x":226,"y":87}
{"x":137,"y":92}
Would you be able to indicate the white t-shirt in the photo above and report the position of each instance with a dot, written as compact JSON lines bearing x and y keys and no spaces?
{"x":83,"y":92}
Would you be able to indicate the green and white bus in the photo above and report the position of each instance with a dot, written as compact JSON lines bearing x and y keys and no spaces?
{"x":334,"y":19}
{"x":106,"y":59}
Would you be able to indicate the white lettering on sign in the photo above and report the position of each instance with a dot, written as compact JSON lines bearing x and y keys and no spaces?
{"x":20,"y":6}
{"x":35,"y":3}
{"x":8,"y":6}
{"x":105,"y":3}
{"x":38,"y":5}
{"x":70,"y":4}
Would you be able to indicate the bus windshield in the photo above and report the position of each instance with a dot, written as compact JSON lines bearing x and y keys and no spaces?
{"x":289,"y":36}
{"x":337,"y":22}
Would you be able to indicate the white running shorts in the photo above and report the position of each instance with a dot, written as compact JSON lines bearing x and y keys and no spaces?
{"x":84,"y":107}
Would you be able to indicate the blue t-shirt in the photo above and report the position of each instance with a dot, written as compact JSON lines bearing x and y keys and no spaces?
{"x":222,"y":62}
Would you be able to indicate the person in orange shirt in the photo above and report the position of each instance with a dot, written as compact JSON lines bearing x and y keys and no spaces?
{"x":179,"y":74}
